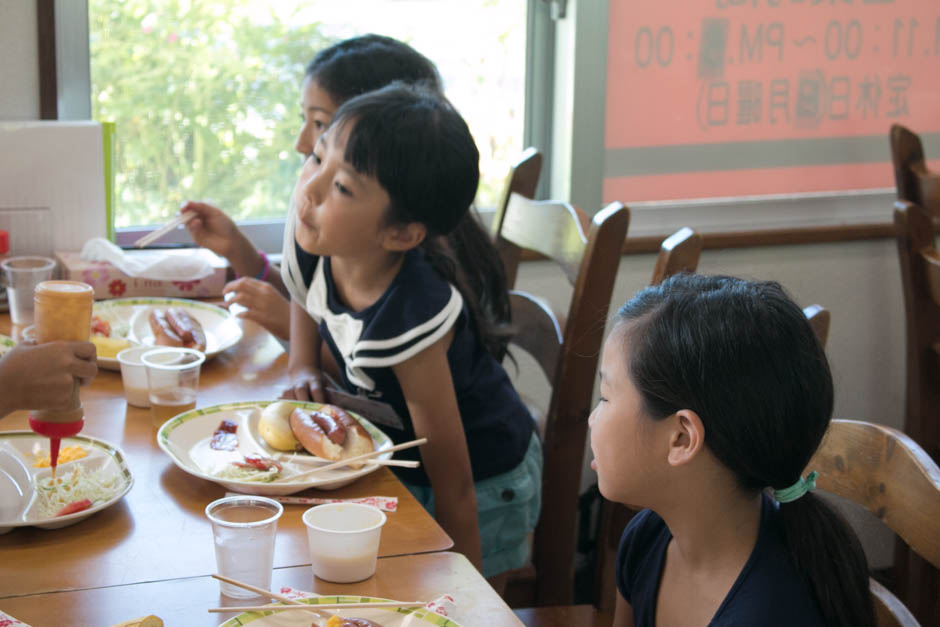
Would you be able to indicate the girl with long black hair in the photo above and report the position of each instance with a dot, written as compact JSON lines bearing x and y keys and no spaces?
{"x":715,"y":393}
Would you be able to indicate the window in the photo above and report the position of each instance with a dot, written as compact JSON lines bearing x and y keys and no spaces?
{"x":205,"y":95}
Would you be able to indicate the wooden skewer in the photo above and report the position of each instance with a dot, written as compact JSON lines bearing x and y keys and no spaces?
{"x":322,"y":606}
{"x":265,"y":593}
{"x":357,"y":458}
{"x":307,"y":460}
{"x":153,"y":236}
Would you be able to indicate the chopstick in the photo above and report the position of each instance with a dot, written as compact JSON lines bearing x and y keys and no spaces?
{"x":153,"y":236}
{"x":306,"y":460}
{"x":264,"y":593}
{"x":322,"y":606}
{"x":352,"y":460}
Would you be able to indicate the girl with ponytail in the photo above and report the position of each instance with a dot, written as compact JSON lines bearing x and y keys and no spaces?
{"x":389,"y":268}
{"x":715,"y":393}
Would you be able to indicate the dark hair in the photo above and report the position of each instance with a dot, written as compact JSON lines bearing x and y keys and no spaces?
{"x":742,"y":355}
{"x":362,"y":64}
{"x":418,"y":147}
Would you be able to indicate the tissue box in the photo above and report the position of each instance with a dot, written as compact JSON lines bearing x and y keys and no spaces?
{"x":109,"y":282}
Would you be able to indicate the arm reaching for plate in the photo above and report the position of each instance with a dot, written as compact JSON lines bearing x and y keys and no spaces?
{"x":263,"y":304}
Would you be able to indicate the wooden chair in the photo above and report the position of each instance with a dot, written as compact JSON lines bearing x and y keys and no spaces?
{"x":679,"y":252}
{"x":915,"y":183}
{"x":522,"y":180}
{"x":819,"y":318}
{"x":892,"y":477}
{"x":567,"y":348}
{"x":916,"y":582}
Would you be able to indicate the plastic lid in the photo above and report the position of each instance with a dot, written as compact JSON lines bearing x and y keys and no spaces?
{"x":65,"y":289}
{"x":4,"y":242}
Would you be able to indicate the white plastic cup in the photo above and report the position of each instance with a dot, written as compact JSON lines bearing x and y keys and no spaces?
{"x":22,"y":275}
{"x":172,"y":381}
{"x":243,"y":531}
{"x":134,"y":375}
{"x":343,"y":539}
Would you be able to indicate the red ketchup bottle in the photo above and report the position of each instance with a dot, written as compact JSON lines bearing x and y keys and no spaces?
{"x":62,"y":312}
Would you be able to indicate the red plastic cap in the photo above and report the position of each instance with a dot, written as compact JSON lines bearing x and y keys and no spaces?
{"x":4,"y":242}
{"x":56,"y":429}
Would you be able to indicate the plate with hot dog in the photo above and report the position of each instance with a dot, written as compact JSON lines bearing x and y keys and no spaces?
{"x":163,"y":322}
{"x":256,"y":447}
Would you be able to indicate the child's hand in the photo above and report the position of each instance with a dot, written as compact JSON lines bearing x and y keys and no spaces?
{"x":307,"y":384}
{"x":41,"y":376}
{"x":212,"y":228}
{"x":263,"y":304}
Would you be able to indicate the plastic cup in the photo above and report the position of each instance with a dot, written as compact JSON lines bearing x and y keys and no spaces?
{"x":134,"y":375}
{"x":22,"y":275}
{"x":172,"y":381}
{"x":243,"y":531}
{"x":343,"y":539}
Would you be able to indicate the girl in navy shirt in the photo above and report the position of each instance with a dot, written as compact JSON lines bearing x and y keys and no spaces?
{"x":715,"y":393}
{"x":389,"y":269}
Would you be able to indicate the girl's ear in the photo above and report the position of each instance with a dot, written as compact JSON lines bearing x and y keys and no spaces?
{"x":687,"y":438}
{"x":402,"y":238}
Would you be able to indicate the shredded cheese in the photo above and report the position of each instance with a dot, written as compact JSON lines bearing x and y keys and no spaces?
{"x":66,"y":454}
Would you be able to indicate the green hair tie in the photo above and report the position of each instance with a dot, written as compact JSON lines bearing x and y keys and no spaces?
{"x":798,"y":489}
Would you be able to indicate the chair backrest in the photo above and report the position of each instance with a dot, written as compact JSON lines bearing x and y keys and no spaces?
{"x":917,"y":583}
{"x":679,"y":252}
{"x":523,"y":178}
{"x":915,"y":183}
{"x":567,"y":348}
{"x":819,"y":318}
{"x":892,"y":477}
{"x":920,"y":279}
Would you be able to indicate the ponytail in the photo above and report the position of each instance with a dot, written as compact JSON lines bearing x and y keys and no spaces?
{"x":467,"y":258}
{"x":826,"y":551}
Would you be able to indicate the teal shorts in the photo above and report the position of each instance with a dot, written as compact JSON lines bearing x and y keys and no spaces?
{"x":507,"y":510}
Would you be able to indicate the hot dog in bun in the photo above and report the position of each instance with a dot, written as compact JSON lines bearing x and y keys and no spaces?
{"x":175,"y":327}
{"x":331,"y":433}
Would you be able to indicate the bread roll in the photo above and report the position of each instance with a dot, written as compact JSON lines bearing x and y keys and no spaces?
{"x":274,"y":427}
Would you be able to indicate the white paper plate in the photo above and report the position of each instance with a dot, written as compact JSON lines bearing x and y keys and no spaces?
{"x":185,"y":438}
{"x":18,"y":477}
{"x":6,"y":343}
{"x":130,"y":318}
{"x":418,"y":617}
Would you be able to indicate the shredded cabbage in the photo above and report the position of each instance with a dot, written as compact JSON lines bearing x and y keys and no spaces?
{"x":238,"y":473}
{"x":75,"y":484}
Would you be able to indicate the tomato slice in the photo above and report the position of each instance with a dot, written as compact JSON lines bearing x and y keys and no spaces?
{"x":74,"y":506}
{"x":100,"y":327}
{"x":256,"y":461}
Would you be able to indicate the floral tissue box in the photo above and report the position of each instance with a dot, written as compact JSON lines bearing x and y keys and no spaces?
{"x":110,"y":282}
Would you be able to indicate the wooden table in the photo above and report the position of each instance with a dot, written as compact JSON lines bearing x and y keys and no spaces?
{"x":158,"y":531}
{"x":185,"y":601}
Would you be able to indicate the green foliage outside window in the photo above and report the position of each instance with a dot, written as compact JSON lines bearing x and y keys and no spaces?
{"x":206,"y":102}
{"x":205,"y":94}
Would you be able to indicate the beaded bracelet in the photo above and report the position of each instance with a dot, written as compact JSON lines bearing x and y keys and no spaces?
{"x":263,"y":275}
{"x":265,"y":269}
